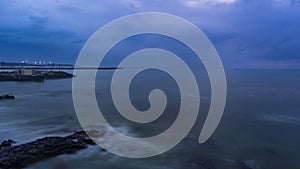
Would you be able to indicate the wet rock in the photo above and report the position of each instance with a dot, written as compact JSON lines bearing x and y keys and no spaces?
{"x":81,"y":136}
{"x":17,"y":157}
{"x":7,"y":97}
{"x":7,"y":143}
{"x":57,"y":75}
{"x":36,"y":76}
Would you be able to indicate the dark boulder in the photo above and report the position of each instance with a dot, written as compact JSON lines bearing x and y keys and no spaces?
{"x":7,"y":97}
{"x":7,"y":143}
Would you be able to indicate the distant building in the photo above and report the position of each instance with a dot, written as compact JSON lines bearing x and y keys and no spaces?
{"x":28,"y":72}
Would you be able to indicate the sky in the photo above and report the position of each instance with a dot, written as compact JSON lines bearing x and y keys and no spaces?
{"x":246,"y":33}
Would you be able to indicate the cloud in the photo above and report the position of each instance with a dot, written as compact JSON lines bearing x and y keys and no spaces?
{"x":201,"y":3}
{"x":284,"y":2}
{"x":134,"y":3}
{"x":248,"y":31}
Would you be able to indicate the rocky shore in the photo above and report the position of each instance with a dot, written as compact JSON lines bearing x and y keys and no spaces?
{"x":56,"y":75}
{"x":20,"y":156}
{"x":34,"y":75}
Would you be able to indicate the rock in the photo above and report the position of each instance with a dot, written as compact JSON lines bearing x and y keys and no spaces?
{"x":7,"y":143}
{"x":17,"y":157}
{"x":21,"y":78}
{"x":36,"y":76}
{"x":7,"y":97}
{"x":57,"y":75}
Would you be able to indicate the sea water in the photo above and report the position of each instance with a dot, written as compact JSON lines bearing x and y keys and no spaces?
{"x":259,"y":129}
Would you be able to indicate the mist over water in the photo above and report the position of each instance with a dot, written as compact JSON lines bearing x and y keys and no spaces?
{"x":259,"y":129}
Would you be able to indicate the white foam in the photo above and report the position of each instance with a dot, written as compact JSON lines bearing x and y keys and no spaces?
{"x":110,"y":140}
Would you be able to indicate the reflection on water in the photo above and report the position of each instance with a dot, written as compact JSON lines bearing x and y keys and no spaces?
{"x":259,"y":129}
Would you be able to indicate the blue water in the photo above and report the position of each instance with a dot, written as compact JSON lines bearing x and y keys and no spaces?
{"x":259,"y":129}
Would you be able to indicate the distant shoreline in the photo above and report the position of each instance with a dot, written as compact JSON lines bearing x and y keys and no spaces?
{"x":32,"y":75}
{"x":48,"y":66}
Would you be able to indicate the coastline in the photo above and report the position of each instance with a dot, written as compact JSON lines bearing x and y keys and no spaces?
{"x":21,"y":156}
{"x":33,"y":75}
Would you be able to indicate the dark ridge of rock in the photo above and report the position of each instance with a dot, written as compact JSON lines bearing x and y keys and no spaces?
{"x":35,"y":76}
{"x":17,"y":157}
{"x":21,"y":78}
{"x":7,"y":143}
{"x":7,"y":97}
{"x":57,"y":75}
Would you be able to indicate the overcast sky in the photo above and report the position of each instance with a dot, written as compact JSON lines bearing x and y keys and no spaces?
{"x":246,"y":33}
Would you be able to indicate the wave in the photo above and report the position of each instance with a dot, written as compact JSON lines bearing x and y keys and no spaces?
{"x":281,"y":118}
{"x":108,"y":138}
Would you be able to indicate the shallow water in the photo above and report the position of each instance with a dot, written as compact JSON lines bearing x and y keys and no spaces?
{"x":259,"y":128}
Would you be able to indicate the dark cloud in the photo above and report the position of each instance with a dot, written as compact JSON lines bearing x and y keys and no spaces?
{"x":251,"y":32}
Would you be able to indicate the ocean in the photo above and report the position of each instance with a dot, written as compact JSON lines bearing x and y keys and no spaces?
{"x":259,"y":129}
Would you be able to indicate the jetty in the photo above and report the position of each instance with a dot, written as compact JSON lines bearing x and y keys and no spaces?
{"x":24,"y":72}
{"x":23,"y":75}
